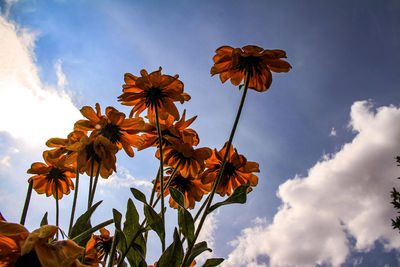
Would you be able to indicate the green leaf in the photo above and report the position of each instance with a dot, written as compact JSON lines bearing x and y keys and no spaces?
{"x":213,"y":262}
{"x":83,"y":224}
{"x":177,"y":196}
{"x":197,"y":250}
{"x":155,"y":221}
{"x":186,"y":224}
{"x":117,"y":219}
{"x":137,"y":253}
{"x":238,"y":196}
{"x":44,"y":219}
{"x":139,"y":195}
{"x":173,"y":255}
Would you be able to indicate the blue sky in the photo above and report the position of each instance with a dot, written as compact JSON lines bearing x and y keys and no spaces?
{"x":325,"y":134}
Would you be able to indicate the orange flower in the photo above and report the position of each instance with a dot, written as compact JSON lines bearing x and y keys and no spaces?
{"x":21,"y":248}
{"x":151,"y":91}
{"x":113,"y":125}
{"x":177,"y":131}
{"x":98,"y":248}
{"x":98,"y":149}
{"x":237,"y":171}
{"x":60,"y":145}
{"x":192,"y":189}
{"x":234,"y":63}
{"x":55,"y":176}
{"x":191,"y":161}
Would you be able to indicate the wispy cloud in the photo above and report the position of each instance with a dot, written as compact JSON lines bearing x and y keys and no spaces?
{"x":207,"y":234}
{"x":123,"y":178}
{"x":346,"y":194}
{"x":30,"y":111}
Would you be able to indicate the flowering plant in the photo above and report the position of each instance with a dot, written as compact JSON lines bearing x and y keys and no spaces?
{"x":186,"y":173}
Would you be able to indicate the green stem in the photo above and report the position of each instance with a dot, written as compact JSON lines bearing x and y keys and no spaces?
{"x":220,"y":172}
{"x":57,"y":209}
{"x":90,"y":182}
{"x":74,"y":203}
{"x":113,"y":248}
{"x":153,"y":191}
{"x":27,"y":200}
{"x":161,"y":175}
{"x":95,"y":184}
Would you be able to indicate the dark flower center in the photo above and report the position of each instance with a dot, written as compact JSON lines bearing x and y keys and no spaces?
{"x":112,"y":132}
{"x":229,"y":171}
{"x":103,"y":246}
{"x":55,"y":174}
{"x":251,"y":64}
{"x":91,"y":154}
{"x":181,"y":183}
{"x":154,"y":96}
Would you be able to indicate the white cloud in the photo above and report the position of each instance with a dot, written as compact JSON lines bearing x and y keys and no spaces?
{"x":333,"y":132}
{"x":345,"y":194}
{"x":61,"y":79}
{"x":123,"y":178}
{"x":29,"y":111}
{"x":207,"y":234}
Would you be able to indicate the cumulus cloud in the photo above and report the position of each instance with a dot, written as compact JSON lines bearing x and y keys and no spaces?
{"x":344,"y":195}
{"x":207,"y":234}
{"x":30,"y":111}
{"x":124,"y":179}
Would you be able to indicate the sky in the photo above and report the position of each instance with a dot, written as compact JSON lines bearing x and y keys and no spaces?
{"x":325,"y":134}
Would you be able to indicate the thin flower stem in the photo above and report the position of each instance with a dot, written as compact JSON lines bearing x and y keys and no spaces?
{"x":161,"y":175}
{"x":113,"y":248}
{"x":27,"y":200}
{"x":57,"y":209}
{"x":198,"y":214}
{"x":90,"y":182}
{"x":220,"y":172}
{"x":153,"y":191}
{"x":71,"y":222}
{"x":95,"y":184}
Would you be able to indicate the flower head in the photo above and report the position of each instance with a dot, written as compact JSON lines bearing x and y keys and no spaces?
{"x":154,"y":90}
{"x":192,"y":189}
{"x":235,"y":63}
{"x":113,"y":125}
{"x":238,"y":171}
{"x":60,"y":145}
{"x":52,"y":178}
{"x":98,"y":248}
{"x":21,"y":248}
{"x":170,"y":130}
{"x":190,"y":160}
{"x":97,"y":151}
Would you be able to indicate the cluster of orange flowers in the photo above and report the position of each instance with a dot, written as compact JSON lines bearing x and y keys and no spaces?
{"x":92,"y":146}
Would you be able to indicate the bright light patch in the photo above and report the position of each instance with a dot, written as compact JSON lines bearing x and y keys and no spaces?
{"x":29,"y":111}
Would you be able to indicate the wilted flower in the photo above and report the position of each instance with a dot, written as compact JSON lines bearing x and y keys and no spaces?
{"x":235,"y":63}
{"x":98,"y":248}
{"x":18,"y":247}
